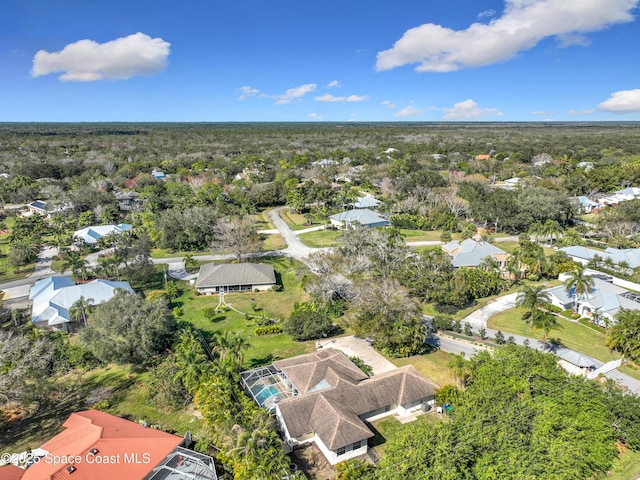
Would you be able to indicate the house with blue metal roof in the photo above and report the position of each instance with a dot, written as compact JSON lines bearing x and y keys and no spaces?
{"x":359,"y":216}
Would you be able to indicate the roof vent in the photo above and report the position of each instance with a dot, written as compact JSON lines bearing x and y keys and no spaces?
{"x":93,"y":451}
{"x":71,"y":469}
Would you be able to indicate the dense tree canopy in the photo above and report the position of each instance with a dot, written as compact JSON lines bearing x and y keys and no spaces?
{"x":521,"y":416}
{"x":127,"y":329}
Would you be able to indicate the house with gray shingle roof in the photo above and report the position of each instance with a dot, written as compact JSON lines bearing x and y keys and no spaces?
{"x":235,"y":277}
{"x":359,"y":216}
{"x":470,"y":253}
{"x":322,"y":397}
{"x":584,"y":255}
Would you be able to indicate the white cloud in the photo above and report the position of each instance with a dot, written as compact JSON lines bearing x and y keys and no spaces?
{"x":539,"y":112}
{"x":119,"y":59}
{"x":334,"y":84}
{"x":351,"y":98}
{"x":580,"y":112}
{"x":315,"y":116}
{"x":487,"y":13}
{"x":389,"y":104}
{"x":409,"y":112}
{"x":624,"y":101}
{"x":247,"y":92}
{"x":293,"y":93}
{"x":468,"y":110}
{"x":523,"y":24}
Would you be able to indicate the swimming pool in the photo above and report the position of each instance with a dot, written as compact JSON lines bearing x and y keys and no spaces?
{"x":262,"y":393}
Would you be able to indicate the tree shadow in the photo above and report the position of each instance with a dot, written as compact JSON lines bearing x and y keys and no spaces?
{"x":259,"y":362}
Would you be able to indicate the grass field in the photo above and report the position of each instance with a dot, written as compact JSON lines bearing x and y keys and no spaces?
{"x":433,"y":366}
{"x":320,"y":238}
{"x":572,"y":334}
{"x":263,"y":349}
{"x":6,"y":272}
{"x":388,"y":428}
{"x":296,"y":221}
{"x":273,"y":242}
{"x":420,"y":235}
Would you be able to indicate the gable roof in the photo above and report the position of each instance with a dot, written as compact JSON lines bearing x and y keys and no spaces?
{"x":362,"y":216}
{"x":228,"y":274}
{"x":367,"y":202}
{"x":95,"y":232}
{"x":470,"y":253}
{"x":333,"y":412}
{"x":629,"y":255}
{"x":110,"y":436}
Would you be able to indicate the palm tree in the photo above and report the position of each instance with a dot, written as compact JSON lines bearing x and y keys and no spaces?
{"x":458,"y":368}
{"x":80,"y":309}
{"x":579,"y":281}
{"x":489,"y":264}
{"x":189,"y":261}
{"x":551,"y":228}
{"x":537,"y":230}
{"x":74,"y":262}
{"x":535,"y":301}
{"x":545,"y":322}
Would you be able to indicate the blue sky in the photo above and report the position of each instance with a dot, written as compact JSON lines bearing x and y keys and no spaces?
{"x":460,"y":60}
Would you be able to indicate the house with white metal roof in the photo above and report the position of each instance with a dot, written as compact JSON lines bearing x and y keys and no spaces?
{"x":52,"y":298}
{"x":94,"y":233}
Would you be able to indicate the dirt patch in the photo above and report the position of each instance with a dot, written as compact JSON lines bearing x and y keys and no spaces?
{"x":313,"y":463}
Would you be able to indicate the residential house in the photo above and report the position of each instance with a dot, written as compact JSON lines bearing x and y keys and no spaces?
{"x":322,"y":397}
{"x":584,"y":204}
{"x":52,"y":298}
{"x":91,"y":235}
{"x":511,"y":183}
{"x":234,"y":277}
{"x":96,"y":445}
{"x":158,"y":174}
{"x":359,"y":216}
{"x":367,"y":201}
{"x":583,"y":255}
{"x":127,"y":201}
{"x":471,"y":253}
{"x":605,"y":298}
{"x":38,"y":206}
{"x":575,"y":362}
{"x":630,"y":193}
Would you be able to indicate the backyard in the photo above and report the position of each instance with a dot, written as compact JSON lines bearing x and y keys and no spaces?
{"x":262,"y":349}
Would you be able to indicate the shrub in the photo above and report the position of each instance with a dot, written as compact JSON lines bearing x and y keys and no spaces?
{"x":500,"y":338}
{"x":277,"y":288}
{"x":268,"y":330}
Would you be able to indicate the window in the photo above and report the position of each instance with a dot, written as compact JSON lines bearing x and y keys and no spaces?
{"x":357,"y":445}
{"x":341,"y":451}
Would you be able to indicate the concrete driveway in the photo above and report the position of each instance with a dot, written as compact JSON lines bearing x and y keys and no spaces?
{"x":358,"y":347}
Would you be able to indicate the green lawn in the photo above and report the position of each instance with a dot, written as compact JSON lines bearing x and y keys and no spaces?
{"x":6,"y":272}
{"x":320,"y":238}
{"x":263,"y":349}
{"x":572,"y":334}
{"x":164,"y":253}
{"x":386,"y":429}
{"x":296,"y":221}
{"x":627,"y":467}
{"x":432,"y":365}
{"x":420,"y":235}
{"x":274,"y":242}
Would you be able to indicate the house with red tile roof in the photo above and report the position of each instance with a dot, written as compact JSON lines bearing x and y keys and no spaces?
{"x":98,"y":446}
